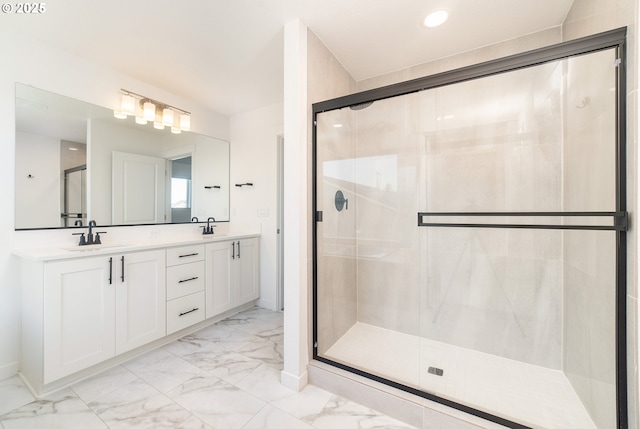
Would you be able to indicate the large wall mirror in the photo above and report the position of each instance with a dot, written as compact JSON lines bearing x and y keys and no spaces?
{"x":76,"y":162}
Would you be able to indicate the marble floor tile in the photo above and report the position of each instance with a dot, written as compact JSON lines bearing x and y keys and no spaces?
{"x":14,"y":394}
{"x":265,"y":351}
{"x":270,"y":418}
{"x":340,"y":413}
{"x":140,"y":406}
{"x":264,"y":382}
{"x":216,"y":402}
{"x":194,"y":423}
{"x":61,"y":410}
{"x":214,"y":359}
{"x":190,"y":345}
{"x":254,"y":321}
{"x":306,"y":404}
{"x":162,"y":370}
{"x":224,"y":376}
{"x":225,"y":336}
{"x":106,"y":382}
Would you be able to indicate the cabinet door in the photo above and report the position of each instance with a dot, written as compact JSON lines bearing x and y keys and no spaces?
{"x":218,"y":290}
{"x":246,"y":270}
{"x":140,"y":299}
{"x":79,"y":314}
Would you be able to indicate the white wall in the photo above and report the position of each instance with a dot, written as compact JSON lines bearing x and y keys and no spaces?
{"x":254,"y":151}
{"x":45,"y":67}
{"x":38,"y":180}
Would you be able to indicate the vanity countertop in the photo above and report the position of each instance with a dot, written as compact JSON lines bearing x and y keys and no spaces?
{"x":69,"y":252}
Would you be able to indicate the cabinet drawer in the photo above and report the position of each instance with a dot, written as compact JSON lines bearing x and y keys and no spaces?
{"x":185,"y":254}
{"x":185,"y":279}
{"x":185,"y":311}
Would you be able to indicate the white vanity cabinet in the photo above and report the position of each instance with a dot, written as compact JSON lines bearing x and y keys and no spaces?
{"x":84,"y":309}
{"x":232,"y":273}
{"x":140,"y":299}
{"x":185,"y":287}
{"x":92,"y":308}
{"x":79,"y":315}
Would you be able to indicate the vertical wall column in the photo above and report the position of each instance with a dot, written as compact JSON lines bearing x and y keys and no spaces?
{"x":296,"y":213}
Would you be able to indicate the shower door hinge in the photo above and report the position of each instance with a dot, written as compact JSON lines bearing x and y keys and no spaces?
{"x":318,"y":216}
{"x":315,"y":345}
{"x":617,"y":62}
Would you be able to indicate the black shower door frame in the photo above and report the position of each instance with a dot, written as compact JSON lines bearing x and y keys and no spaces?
{"x":615,"y":39}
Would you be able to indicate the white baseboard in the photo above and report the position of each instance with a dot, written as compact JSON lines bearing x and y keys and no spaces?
{"x":268,"y":304}
{"x":9,"y":370}
{"x":294,"y":382}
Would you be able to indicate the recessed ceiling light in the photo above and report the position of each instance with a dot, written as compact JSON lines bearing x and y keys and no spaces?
{"x":436,"y":18}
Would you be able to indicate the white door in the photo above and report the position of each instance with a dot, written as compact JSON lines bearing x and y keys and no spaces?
{"x":79,"y":324}
{"x":138,"y":189}
{"x":218,"y":285}
{"x":140,"y":299}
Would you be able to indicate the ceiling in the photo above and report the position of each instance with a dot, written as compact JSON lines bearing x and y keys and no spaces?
{"x":228,"y":54}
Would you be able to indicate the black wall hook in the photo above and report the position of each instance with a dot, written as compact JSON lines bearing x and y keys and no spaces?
{"x":240,"y":185}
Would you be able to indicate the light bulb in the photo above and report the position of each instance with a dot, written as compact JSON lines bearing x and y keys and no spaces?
{"x":176,"y":130}
{"x":167,"y":117}
{"x":185,"y":122}
{"x":120,"y":115}
{"x":149,"y":111}
{"x":140,"y":120}
{"x":128,"y":105}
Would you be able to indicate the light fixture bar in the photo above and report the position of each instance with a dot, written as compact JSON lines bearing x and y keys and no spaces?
{"x":157,"y":103}
{"x":160,"y":114}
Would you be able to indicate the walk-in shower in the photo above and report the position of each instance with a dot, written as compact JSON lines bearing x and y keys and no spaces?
{"x":470,"y":236}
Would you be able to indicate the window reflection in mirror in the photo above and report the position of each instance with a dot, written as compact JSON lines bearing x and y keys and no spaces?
{"x":181,"y":189}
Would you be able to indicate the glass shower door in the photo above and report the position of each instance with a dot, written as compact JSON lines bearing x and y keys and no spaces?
{"x":470,"y":243}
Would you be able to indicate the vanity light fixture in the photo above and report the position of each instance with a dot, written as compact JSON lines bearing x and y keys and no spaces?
{"x":162,"y":115}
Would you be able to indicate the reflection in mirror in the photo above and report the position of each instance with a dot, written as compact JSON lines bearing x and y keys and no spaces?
{"x":180,"y":189}
{"x":75,"y":161}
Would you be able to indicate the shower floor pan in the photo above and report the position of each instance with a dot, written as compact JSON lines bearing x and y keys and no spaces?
{"x":530,"y":395}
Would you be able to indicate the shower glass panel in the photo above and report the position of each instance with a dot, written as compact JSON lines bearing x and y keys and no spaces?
{"x":75,"y":196}
{"x":500,"y":298}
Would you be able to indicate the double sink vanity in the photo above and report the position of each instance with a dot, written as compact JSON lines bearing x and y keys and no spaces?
{"x":91,"y":306}
{"x":87,"y":308}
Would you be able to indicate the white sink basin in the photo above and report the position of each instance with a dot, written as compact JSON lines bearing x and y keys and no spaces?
{"x":210,"y":236}
{"x":95,"y":247}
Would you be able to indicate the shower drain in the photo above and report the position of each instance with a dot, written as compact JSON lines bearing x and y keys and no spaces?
{"x":435,"y":371}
